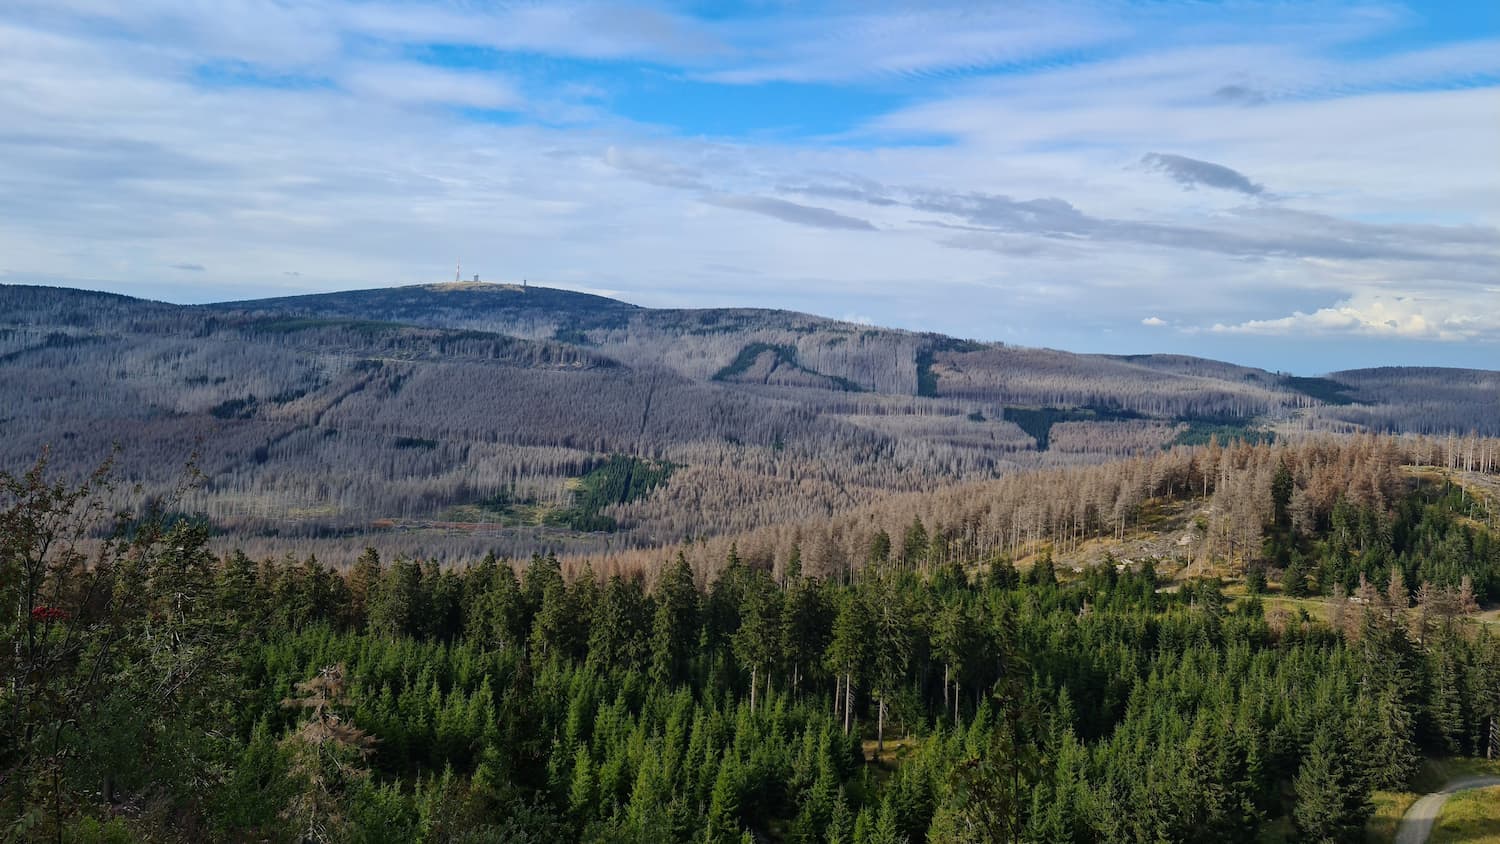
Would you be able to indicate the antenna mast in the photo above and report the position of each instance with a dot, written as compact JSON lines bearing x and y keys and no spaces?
{"x":458,"y":269}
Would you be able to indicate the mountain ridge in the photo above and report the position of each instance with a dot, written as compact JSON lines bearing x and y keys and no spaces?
{"x":420,"y":407}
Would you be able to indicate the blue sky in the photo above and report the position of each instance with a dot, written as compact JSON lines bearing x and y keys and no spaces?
{"x":1302,"y":186}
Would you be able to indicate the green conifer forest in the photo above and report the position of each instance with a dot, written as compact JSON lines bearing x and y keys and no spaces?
{"x":157,"y":692}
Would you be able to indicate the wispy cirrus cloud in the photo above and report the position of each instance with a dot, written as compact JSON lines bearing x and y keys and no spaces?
{"x":891,"y":41}
{"x":1242,"y":232}
{"x":586,"y":30}
{"x":791,"y":212}
{"x":654,"y":169}
{"x":409,"y":82}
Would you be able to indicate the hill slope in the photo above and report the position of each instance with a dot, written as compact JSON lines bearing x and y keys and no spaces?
{"x":473,"y":414}
{"x":819,"y":352}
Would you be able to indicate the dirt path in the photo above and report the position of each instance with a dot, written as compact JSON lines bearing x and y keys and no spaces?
{"x":1417,"y":824}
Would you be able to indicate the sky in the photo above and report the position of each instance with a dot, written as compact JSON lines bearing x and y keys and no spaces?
{"x":1303,"y":186}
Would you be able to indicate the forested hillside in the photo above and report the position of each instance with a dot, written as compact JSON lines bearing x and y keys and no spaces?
{"x":475,"y":435}
{"x":1199,"y":509}
{"x":1426,"y":400}
{"x":161,"y":693}
{"x":451,"y":419}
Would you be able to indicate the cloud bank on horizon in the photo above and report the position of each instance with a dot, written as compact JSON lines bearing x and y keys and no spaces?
{"x":1173,"y":176}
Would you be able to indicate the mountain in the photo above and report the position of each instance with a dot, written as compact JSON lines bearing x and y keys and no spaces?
{"x":467,"y":416}
{"x":1424,"y":400}
{"x":783,"y":348}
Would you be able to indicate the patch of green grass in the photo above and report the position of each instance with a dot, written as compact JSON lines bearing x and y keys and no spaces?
{"x":516,"y":514}
{"x":1316,"y":607}
{"x":1390,"y":807}
{"x":897,"y":750}
{"x":1472,"y":817}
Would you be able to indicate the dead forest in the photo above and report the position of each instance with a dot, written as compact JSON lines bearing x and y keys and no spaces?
{"x":449,"y":420}
{"x":1211,"y":503}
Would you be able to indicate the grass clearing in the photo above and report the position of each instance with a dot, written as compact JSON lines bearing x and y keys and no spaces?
{"x":1472,"y":817}
{"x":897,"y":750}
{"x":512,"y":515}
{"x":1390,"y":806}
{"x":1317,"y":608}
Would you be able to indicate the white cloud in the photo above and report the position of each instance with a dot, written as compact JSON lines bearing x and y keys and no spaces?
{"x":884,"y":41}
{"x":267,"y":32}
{"x":118,"y":160}
{"x":654,"y":168}
{"x":599,"y":30}
{"x":791,"y":212}
{"x":407,"y":82}
{"x":1397,"y":317}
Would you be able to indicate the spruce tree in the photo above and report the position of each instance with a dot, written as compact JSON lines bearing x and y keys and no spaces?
{"x":1294,"y":581}
{"x":757,"y":642}
{"x":674,"y":628}
{"x":397,"y":606}
{"x":849,"y":650}
{"x":914,"y":544}
{"x":615,"y":627}
{"x":364,"y":580}
{"x":554,"y":632}
{"x":791,"y":572}
{"x":582,"y":791}
{"x":723,"y":826}
{"x":504,"y":609}
{"x":1282,"y":485}
{"x":1331,"y":804}
{"x":880,"y":550}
